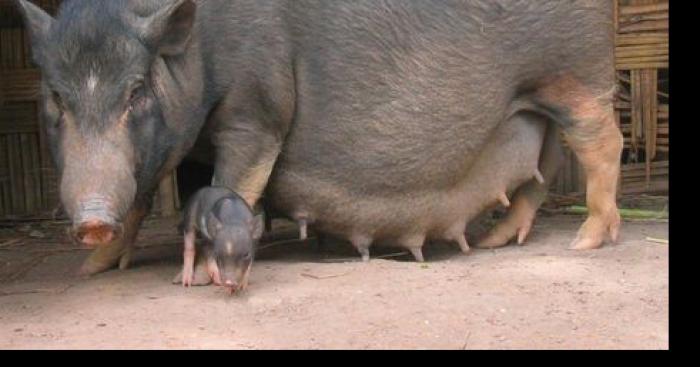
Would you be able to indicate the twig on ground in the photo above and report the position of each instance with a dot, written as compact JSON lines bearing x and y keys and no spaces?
{"x":325,"y":276}
{"x":10,"y":242}
{"x":657,"y":240}
{"x":31,"y":291}
{"x":281,"y":242}
{"x":466,"y":340}
{"x":395,"y":254}
{"x":624,"y":213}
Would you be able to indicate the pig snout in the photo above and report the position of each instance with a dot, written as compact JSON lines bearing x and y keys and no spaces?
{"x":95,"y":232}
{"x":93,"y":226}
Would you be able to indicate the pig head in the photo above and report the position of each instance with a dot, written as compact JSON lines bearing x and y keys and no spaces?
{"x":112,"y":104}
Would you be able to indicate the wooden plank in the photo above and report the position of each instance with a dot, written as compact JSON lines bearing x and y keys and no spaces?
{"x":18,"y":118}
{"x":652,"y":25}
{"x":641,"y":166}
{"x":648,"y":38}
{"x":15,"y":170}
{"x":20,"y":85}
{"x":36,"y":171}
{"x":30,"y":202}
{"x":627,"y":10}
{"x":636,"y":103}
{"x":643,"y":65}
{"x":166,"y":194}
{"x":650,"y":111}
{"x":5,"y":205}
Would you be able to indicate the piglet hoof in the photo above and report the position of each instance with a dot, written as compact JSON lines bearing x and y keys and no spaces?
{"x":187,"y":277}
{"x":198,"y":278}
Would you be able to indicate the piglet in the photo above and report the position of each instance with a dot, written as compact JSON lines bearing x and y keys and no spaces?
{"x":231,"y":231}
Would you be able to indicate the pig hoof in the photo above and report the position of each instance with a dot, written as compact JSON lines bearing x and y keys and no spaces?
{"x":417,"y":254}
{"x":503,"y":198}
{"x":517,"y":224}
{"x":365,"y":254}
{"x":538,"y":177}
{"x":125,"y":260}
{"x":92,"y":266}
{"x":593,"y":231}
{"x":463,"y":244}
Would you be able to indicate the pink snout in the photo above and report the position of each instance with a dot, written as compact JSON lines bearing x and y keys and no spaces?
{"x":94,"y":232}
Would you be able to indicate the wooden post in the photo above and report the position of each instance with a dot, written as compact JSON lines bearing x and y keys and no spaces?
{"x":167,"y":191}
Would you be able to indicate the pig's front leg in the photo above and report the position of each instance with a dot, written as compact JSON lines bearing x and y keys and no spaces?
{"x":244,"y":160}
{"x":117,"y":252}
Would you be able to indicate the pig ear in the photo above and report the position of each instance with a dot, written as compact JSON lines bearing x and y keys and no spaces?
{"x":37,"y":22}
{"x":169,"y":29}
{"x":258,"y":226}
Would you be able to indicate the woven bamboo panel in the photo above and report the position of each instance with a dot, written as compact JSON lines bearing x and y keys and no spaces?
{"x":642,"y":111}
{"x":28,"y":182}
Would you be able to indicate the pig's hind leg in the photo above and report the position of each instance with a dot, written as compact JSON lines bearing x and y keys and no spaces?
{"x":586,"y":114}
{"x":529,"y":196}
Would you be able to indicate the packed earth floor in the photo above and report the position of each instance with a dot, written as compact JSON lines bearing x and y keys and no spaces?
{"x":304,"y":297}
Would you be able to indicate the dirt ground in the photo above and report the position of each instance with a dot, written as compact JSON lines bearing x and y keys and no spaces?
{"x":302,"y":297}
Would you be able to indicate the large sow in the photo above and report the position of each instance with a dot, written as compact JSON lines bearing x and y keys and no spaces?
{"x":377,"y":121}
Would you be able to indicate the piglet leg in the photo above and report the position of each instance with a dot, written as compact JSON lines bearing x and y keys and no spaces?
{"x":213,"y":270}
{"x":189,"y":254}
{"x":201,"y":275}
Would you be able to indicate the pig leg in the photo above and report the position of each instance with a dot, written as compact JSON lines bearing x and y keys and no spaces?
{"x":248,"y":141}
{"x":463,"y":245}
{"x":415,"y":245}
{"x":189,"y":254}
{"x":528,"y":197}
{"x":303,"y":229}
{"x":117,"y":252}
{"x":362,"y":244}
{"x":589,"y":127}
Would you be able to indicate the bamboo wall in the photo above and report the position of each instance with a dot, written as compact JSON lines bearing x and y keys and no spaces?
{"x":28,"y":181}
{"x":641,"y":106}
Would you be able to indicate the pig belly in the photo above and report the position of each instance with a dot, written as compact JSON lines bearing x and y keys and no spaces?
{"x":508,"y":159}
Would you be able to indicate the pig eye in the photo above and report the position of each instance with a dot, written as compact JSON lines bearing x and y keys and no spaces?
{"x":57,"y":100}
{"x":137,"y":95}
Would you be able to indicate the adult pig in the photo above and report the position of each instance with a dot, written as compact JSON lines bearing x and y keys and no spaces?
{"x":373,"y":114}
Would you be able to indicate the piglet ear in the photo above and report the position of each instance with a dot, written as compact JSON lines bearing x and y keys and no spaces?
{"x":214,"y":225}
{"x":258,"y":225}
{"x":169,"y":29}
{"x":38,"y":23}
